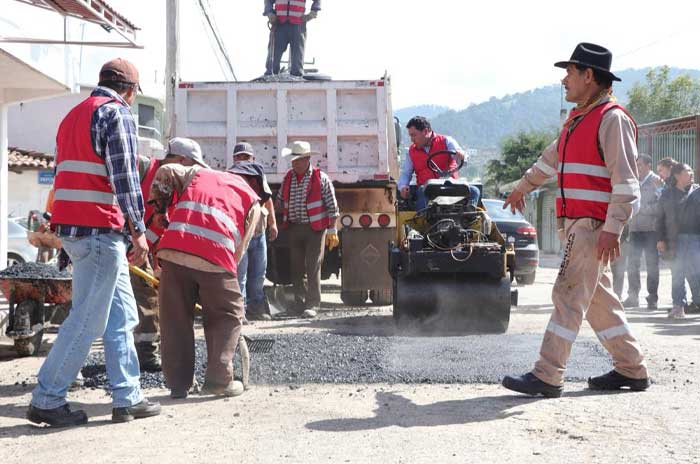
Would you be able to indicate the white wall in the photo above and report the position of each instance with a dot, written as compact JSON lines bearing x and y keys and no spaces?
{"x":33,"y":125}
{"x":26,"y":193}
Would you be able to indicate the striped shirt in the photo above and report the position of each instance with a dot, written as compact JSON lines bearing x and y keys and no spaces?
{"x":114,"y":138}
{"x":297,"y":198}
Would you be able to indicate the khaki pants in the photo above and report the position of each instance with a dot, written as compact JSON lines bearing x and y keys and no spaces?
{"x":306,"y":248}
{"x":222,"y":303}
{"x":583,"y":287}
{"x":146,"y":333}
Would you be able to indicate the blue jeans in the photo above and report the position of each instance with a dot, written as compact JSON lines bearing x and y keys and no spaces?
{"x":422,"y":202}
{"x":685,"y":267}
{"x":643,"y":243}
{"x":251,"y":273}
{"x":103,"y":306}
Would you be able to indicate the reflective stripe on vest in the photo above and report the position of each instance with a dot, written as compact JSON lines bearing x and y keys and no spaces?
{"x":584,"y":186}
{"x":151,"y":236}
{"x":82,"y":167}
{"x":208,"y":234}
{"x":211,"y":211}
{"x":88,"y":196}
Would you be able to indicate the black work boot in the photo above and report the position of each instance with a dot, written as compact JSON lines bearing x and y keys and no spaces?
{"x":613,"y":380}
{"x":148,"y":359}
{"x":652,"y":302}
{"x":631,"y":302}
{"x":138,"y":411}
{"x":531,"y":385}
{"x":61,"y":416}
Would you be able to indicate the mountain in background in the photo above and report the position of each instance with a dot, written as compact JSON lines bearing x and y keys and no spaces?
{"x":484,"y":125}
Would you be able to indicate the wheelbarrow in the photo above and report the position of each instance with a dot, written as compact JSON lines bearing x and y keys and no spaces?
{"x":242,"y":342}
{"x":33,"y":302}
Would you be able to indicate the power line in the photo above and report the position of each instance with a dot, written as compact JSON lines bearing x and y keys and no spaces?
{"x":210,"y":39}
{"x":218,"y":39}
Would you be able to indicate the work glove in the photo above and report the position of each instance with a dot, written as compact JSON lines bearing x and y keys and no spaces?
{"x":310,"y":16}
{"x":332,"y":240}
{"x":271,"y":18}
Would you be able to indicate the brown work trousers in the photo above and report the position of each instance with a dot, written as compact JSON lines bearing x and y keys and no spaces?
{"x":222,"y":311}
{"x":583,"y":287}
{"x":147,"y":304}
{"x":306,"y":248}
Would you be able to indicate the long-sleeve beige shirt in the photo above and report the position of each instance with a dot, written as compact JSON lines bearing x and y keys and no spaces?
{"x":617,"y":141}
{"x":173,"y":179}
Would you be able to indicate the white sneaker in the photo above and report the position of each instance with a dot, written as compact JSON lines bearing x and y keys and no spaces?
{"x":308,"y":314}
{"x":677,"y":313}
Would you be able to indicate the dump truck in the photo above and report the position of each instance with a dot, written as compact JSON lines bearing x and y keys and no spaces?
{"x":351,"y":125}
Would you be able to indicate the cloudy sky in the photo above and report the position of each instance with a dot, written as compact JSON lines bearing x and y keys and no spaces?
{"x":445,"y":52}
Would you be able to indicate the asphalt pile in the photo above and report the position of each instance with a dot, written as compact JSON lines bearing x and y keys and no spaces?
{"x":34,"y":271}
{"x":337,"y":358}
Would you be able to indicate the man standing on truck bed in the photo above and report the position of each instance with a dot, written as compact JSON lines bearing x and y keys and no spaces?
{"x":288,"y":20}
{"x":309,"y":213}
{"x":424,"y":142}
{"x":594,"y":159}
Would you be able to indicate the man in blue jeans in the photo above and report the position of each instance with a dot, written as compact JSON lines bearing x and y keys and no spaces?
{"x":425,"y":142}
{"x":97,"y":195}
{"x":253,"y":264}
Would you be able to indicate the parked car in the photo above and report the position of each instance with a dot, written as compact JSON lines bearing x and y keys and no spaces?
{"x":527,"y":253}
{"x":19,"y":250}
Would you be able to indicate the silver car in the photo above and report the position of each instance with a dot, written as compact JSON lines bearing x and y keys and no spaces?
{"x":19,"y":250}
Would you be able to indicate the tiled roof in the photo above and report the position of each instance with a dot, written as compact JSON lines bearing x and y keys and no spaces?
{"x":26,"y":159}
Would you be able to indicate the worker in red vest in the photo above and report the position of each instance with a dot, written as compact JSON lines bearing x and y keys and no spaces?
{"x":287,"y":20}
{"x":208,"y":230}
{"x":97,"y":205}
{"x":146,"y":333}
{"x":425,"y":141}
{"x":309,"y":213}
{"x":597,"y":193}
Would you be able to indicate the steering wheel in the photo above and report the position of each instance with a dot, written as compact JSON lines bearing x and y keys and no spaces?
{"x":432,"y":165}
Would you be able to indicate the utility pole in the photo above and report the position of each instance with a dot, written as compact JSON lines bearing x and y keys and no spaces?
{"x":172,"y":63}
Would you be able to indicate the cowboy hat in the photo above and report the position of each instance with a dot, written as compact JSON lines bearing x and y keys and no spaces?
{"x":298,"y":149}
{"x":592,"y":56}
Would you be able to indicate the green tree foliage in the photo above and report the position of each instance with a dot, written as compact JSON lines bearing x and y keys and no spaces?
{"x":518,"y":153}
{"x":661,"y":97}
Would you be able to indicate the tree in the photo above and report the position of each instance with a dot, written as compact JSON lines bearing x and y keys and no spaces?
{"x":518,"y":153}
{"x":662,"y":98}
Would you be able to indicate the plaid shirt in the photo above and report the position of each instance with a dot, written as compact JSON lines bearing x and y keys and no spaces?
{"x":115,"y":139}
{"x":297,"y":198}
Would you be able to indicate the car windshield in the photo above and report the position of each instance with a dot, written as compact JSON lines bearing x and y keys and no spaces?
{"x":496,"y":211}
{"x":15,"y":229}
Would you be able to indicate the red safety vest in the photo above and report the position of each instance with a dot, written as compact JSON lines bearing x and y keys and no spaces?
{"x":318,"y":216}
{"x":209,"y":218}
{"x":83,"y":195}
{"x":584,"y":187}
{"x":290,"y":10}
{"x":153,"y":231}
{"x":419,"y":158}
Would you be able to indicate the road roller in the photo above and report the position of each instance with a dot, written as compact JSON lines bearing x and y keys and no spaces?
{"x":451,"y":267}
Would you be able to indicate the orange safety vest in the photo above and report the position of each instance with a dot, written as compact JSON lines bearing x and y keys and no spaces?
{"x":290,"y":10}
{"x":419,"y":158}
{"x":318,"y":215}
{"x":209,"y":218}
{"x":83,"y":195}
{"x":583,"y":180}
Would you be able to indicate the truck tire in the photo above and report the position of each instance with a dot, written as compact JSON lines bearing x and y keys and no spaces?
{"x":526,"y":279}
{"x":354,"y":297}
{"x":381,"y":297}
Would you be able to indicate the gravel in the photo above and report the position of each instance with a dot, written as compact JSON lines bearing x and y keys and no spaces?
{"x":34,"y":271}
{"x":335,"y":358}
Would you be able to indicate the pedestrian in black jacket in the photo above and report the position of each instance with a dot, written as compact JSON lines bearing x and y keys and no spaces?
{"x":678,"y":230}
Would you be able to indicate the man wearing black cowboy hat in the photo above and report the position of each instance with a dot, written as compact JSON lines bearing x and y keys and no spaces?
{"x":598,"y":191}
